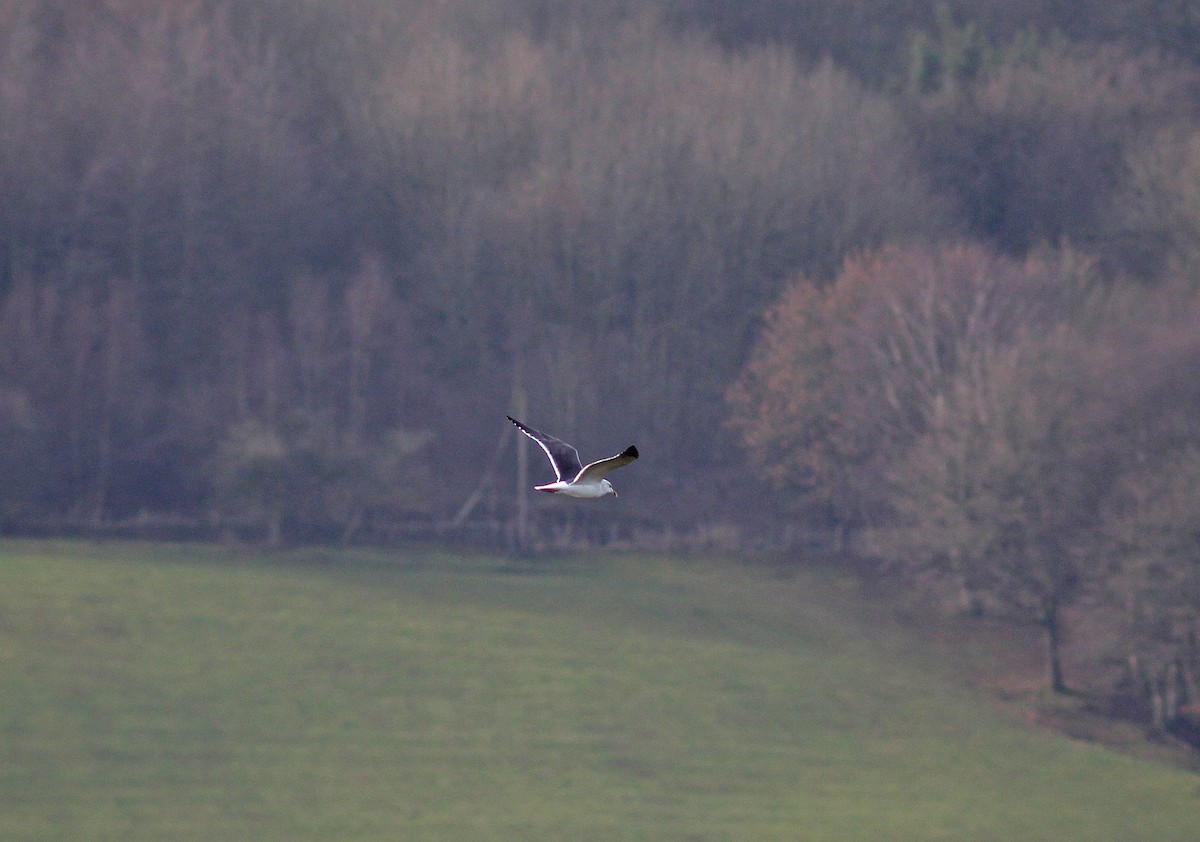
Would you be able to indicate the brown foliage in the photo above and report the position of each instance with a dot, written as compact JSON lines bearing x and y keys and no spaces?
{"x":846,"y":377}
{"x":936,"y":394}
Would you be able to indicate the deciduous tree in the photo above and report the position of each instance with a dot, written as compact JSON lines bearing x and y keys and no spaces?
{"x":847,"y":377}
{"x":1003,"y":494}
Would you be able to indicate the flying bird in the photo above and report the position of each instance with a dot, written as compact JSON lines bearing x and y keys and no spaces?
{"x":573,"y":478}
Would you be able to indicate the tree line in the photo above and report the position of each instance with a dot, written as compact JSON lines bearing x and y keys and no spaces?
{"x":605,"y":215}
{"x":923,"y":276}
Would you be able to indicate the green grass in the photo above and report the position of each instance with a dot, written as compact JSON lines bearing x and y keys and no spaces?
{"x":156,"y":692}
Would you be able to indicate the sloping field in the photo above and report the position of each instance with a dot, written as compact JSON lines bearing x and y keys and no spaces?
{"x":158,"y":692}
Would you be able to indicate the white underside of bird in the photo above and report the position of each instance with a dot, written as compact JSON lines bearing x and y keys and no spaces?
{"x":583,"y":482}
{"x":588,"y":490}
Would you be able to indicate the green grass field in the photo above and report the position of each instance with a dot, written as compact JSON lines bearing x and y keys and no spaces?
{"x":162,"y":693}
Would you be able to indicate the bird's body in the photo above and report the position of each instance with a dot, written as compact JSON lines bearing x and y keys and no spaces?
{"x":580,"y":491}
{"x":572,"y":478}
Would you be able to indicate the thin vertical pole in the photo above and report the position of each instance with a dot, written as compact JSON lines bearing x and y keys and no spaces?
{"x":521,"y":404}
{"x":522,"y":319}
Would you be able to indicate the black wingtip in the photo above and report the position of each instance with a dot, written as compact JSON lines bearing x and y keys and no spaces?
{"x":631,"y":451}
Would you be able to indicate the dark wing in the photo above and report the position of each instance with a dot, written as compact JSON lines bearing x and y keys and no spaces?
{"x":563,"y":457}
{"x":604,"y":467}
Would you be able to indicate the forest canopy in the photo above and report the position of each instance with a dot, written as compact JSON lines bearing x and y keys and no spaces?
{"x":343,"y":225}
{"x":921,"y":277}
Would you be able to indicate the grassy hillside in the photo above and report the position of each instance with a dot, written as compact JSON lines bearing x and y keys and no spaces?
{"x":154,"y":692}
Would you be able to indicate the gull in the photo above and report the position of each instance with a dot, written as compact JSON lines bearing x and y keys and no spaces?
{"x":574,"y":479}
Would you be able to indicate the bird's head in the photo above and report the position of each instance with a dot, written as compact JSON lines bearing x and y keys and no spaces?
{"x":608,"y":489}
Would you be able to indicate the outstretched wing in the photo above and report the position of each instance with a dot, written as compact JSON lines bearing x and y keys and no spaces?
{"x":563,"y":457}
{"x":603,"y":467}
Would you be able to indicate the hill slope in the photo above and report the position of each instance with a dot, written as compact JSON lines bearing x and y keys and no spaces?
{"x":155,"y":692}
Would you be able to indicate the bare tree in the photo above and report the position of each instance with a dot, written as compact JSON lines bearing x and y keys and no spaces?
{"x":1157,"y":218}
{"x":1004,"y":493}
{"x":1152,"y":520}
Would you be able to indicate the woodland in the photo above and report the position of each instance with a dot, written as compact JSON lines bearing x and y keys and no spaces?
{"x":923,"y":279}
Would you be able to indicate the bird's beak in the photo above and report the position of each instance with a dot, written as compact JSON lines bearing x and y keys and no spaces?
{"x":615,"y":493}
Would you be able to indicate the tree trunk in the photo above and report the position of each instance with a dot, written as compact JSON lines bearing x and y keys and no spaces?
{"x":1158,"y":717}
{"x":1052,"y":622}
{"x":274,"y":535}
{"x":842,"y":537}
{"x":521,"y":406}
{"x":1171,"y":692}
{"x":351,"y":526}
